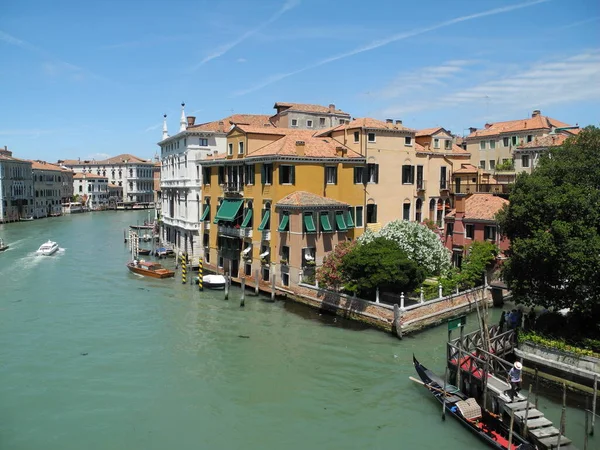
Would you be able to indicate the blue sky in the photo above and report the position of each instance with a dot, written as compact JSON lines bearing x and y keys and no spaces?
{"x":91,"y":79}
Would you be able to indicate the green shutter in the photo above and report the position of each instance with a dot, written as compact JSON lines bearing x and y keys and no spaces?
{"x":339,"y":220}
{"x":325,"y":224}
{"x":285,"y":219}
{"x":309,"y":223}
{"x":228,"y":210}
{"x":205,"y":213}
{"x":349,"y":221}
{"x":264,"y":221}
{"x":247,"y":218}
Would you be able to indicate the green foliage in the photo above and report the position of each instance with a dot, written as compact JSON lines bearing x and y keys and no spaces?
{"x":329,"y":274}
{"x":505,"y":166}
{"x":560,"y":344}
{"x":553,"y":223}
{"x":379,"y":263}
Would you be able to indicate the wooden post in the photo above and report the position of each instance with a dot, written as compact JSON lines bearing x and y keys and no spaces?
{"x":594,"y":403}
{"x":422,"y":297}
{"x":561,"y":428}
{"x":440,"y":290}
{"x":183,"y":268}
{"x":256,"y":281}
{"x":444,"y":393}
{"x":510,"y":433}
{"x":377,"y":294}
{"x":226,"y":288}
{"x":526,"y":414}
{"x":485,"y":384}
{"x":243,"y":299}
{"x":587,"y":410}
{"x":402,"y":300}
{"x":200,"y":274}
{"x":537,"y":382}
{"x":458,"y":366}
{"x":273,"y":276}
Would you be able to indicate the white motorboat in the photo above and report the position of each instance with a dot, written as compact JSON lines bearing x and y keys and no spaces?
{"x":48,"y":248}
{"x":214,"y":281}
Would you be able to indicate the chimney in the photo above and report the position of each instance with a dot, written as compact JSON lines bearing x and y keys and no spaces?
{"x":398,"y":122}
{"x":536,"y":112}
{"x":389,"y":121}
{"x":340,"y":151}
{"x":331,"y":108}
{"x":487,"y":125}
{"x":191,"y":120}
{"x":459,"y":204}
{"x":472,"y":129}
{"x":300,"y":148}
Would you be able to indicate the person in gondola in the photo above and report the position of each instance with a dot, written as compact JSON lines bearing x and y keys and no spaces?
{"x":514,"y":378}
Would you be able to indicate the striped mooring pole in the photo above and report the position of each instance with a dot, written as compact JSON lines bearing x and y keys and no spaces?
{"x":183,"y":268}
{"x":200,"y":269}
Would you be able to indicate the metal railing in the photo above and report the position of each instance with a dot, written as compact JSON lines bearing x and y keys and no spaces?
{"x":233,"y":187}
{"x":421,"y":185}
{"x":490,"y":188}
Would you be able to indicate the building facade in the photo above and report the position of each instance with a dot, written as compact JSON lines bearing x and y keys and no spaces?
{"x":308,"y":117}
{"x":278,"y":201}
{"x":527,"y":155}
{"x":16,"y":188}
{"x":92,"y":190}
{"x":48,"y":183}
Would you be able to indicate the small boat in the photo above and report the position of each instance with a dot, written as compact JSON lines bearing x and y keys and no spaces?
{"x":213,"y":281}
{"x":2,"y":246}
{"x":144,"y":251}
{"x":26,"y":219}
{"x":163,"y":252}
{"x":149,"y":269}
{"x":487,"y":426}
{"x":48,"y":248}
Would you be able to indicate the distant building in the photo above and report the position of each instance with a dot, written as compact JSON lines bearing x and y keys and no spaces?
{"x":473,"y":219}
{"x":48,"y":182}
{"x":527,"y":155}
{"x":92,"y":190}
{"x":306,"y":116}
{"x":16,"y":187}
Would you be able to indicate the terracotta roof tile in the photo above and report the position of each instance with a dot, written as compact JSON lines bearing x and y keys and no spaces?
{"x":83,"y":176}
{"x":538,"y":122}
{"x":119,"y":159}
{"x":299,"y":199}
{"x":428,"y":131}
{"x":482,"y":207}
{"x":224,"y":125}
{"x":43,"y":165}
{"x":374,"y":124}
{"x":467,"y":168}
{"x":305,"y":107}
{"x":550,"y":140}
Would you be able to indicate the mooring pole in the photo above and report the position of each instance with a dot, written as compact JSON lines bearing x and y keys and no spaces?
{"x":226,"y":288}
{"x":537,"y":382}
{"x":587,"y":410}
{"x":256,"y":281}
{"x":594,"y":403}
{"x":561,"y":428}
{"x":183,"y":268}
{"x":444,"y":393}
{"x":273,"y":287}
{"x":243,"y":299}
{"x":200,"y":271}
{"x":526,"y":413}
{"x":510,"y":433}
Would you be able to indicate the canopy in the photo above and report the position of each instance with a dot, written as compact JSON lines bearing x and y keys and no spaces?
{"x":325,"y":223}
{"x":349,"y":219}
{"x":247,"y":250}
{"x":228,"y":210}
{"x":309,"y":223}
{"x":264,"y":221}
{"x":262,"y":255}
{"x":247,"y":218}
{"x":205,"y":213}
{"x":284,"y":223}
{"x":339,"y":220}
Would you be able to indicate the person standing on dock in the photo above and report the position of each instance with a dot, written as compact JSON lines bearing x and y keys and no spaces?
{"x":514,"y":378}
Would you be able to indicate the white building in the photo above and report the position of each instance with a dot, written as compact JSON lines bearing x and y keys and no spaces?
{"x":181,"y":176}
{"x":92,"y":190}
{"x":16,"y":187}
{"x":48,"y":183}
{"x":133,"y":174}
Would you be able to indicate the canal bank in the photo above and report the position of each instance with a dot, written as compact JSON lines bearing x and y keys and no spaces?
{"x":95,"y":357}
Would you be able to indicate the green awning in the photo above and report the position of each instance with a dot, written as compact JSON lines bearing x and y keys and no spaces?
{"x":285,"y":219}
{"x":247,"y":218}
{"x":309,"y":223}
{"x":339,"y":220}
{"x":349,"y":220}
{"x":264,"y":221}
{"x":228,"y":210}
{"x":325,"y":224}
{"x":205,"y":213}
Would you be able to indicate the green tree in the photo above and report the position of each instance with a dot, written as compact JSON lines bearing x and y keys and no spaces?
{"x":379,"y":263}
{"x":553,"y":223}
{"x":329,"y":274}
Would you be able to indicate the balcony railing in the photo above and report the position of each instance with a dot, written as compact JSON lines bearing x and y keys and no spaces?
{"x":266,"y":235}
{"x":472,"y":188}
{"x":421,"y":185}
{"x":233,"y":188}
{"x":444,"y":185}
{"x":235,"y":232}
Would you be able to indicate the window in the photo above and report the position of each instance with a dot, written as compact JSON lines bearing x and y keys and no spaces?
{"x":372,"y":213}
{"x":286,"y":174}
{"x":420,"y":182}
{"x":294,"y":122}
{"x":284,"y":222}
{"x":371,"y":137}
{"x":482,"y":164}
{"x":482,"y":145}
{"x":525,"y":160}
{"x":506,"y":141}
{"x":358,"y":175}
{"x":406,"y":211}
{"x":443,"y":178}
{"x":529,"y":138}
{"x":221,"y":175}
{"x":206,"y":173}
{"x":408,"y":174}
{"x":356,"y":137}
{"x":492,"y":164}
{"x":408,"y":140}
{"x":448,"y":144}
{"x":489,"y":233}
{"x":267,"y":174}
{"x":249,"y":175}
{"x":436,"y":143}
{"x":325,"y":222}
{"x":321,"y":121}
{"x":372,"y":173}
{"x":330,"y":175}
{"x":515,"y":140}
{"x":203,"y":142}
{"x":449,"y":229}
{"x":492,"y":145}
{"x":308,"y":225}
{"x":285,"y":254}
{"x":240,"y":148}
{"x":309,"y":123}
{"x":229,"y":149}
{"x":469,"y":231}
{"x":358,"y":217}
{"x":342,"y":121}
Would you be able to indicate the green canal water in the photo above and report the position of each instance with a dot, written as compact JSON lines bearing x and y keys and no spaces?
{"x":94,"y":357}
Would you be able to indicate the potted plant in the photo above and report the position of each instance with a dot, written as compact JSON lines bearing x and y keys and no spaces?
{"x":311,"y":263}
{"x":264,"y":261}
{"x":283,"y":261}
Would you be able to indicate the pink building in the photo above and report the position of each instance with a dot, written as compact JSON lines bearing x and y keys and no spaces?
{"x":473,"y":219}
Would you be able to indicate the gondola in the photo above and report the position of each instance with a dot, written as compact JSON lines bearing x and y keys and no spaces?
{"x":467,"y":411}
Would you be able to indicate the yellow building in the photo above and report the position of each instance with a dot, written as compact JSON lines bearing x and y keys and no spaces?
{"x":277,"y":201}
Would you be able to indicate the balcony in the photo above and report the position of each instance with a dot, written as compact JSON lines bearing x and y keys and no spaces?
{"x":235,"y":232}
{"x":472,"y":188}
{"x":233,"y":188}
{"x":266,"y":235}
{"x":421,"y":185}
{"x":444,"y":185}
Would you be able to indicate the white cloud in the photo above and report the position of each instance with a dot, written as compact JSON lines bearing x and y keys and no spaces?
{"x":224,"y":48}
{"x":394,"y":38}
{"x":574,"y":78}
{"x":242,"y":60}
